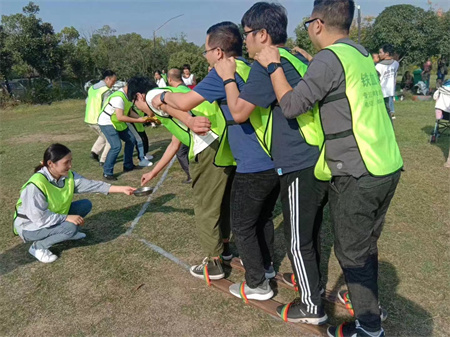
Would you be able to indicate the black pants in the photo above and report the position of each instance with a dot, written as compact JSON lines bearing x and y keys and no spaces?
{"x":303,"y":198}
{"x":358,"y":207}
{"x":253,"y":199}
{"x":182,"y":156}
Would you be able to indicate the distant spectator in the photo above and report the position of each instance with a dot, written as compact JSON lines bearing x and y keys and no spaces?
{"x":164,"y":75}
{"x":407,"y":81}
{"x":159,"y":80}
{"x":97,"y":95}
{"x":442,"y":70}
{"x":188,"y":78}
{"x":376,"y":58}
{"x":427,"y":66}
{"x":387,"y":69}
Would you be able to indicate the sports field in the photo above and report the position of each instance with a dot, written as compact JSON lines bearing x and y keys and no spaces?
{"x":118,"y":284}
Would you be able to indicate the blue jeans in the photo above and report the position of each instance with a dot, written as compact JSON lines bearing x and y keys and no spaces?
{"x":114,"y":138}
{"x":46,"y":237}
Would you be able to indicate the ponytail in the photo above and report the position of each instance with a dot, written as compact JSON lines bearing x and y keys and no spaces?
{"x":53,"y":153}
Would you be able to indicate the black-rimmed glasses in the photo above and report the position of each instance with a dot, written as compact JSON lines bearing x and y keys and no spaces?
{"x":307,"y":23}
{"x":208,"y":50}
{"x":244,"y":34}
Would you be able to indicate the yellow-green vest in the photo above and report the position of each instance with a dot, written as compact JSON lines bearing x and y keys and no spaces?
{"x":94,"y":104}
{"x":139,"y":126}
{"x":175,"y":126}
{"x":59,"y":199}
{"x":260,"y":118}
{"x":119,"y":126}
{"x":371,"y":126}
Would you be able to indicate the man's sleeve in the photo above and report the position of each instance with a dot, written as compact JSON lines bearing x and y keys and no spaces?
{"x":258,"y":90}
{"x":211,"y":87}
{"x":324,"y":75}
{"x":117,"y":103}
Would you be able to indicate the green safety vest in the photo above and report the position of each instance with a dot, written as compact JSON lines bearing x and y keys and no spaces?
{"x":94,"y":104}
{"x":59,"y":199}
{"x":212,"y":111}
{"x":139,"y":126}
{"x":371,"y":126}
{"x":119,"y":126}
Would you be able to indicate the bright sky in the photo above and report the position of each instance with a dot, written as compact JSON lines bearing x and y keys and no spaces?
{"x":145,"y":16}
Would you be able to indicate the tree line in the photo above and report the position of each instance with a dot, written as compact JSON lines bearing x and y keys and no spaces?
{"x":31,"y":48}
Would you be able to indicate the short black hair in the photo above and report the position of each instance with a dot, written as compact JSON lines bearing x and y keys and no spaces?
{"x":226,"y":36}
{"x":186,"y":66}
{"x":337,"y":14}
{"x":158,"y":72}
{"x":269,"y":16}
{"x":108,"y":73}
{"x":388,"y":49}
{"x":139,"y":84}
{"x":54,"y":152}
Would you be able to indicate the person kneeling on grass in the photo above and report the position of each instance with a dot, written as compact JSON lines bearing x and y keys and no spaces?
{"x":45,"y":213}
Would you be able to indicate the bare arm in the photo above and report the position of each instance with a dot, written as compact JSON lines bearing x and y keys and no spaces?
{"x":240,"y":109}
{"x":170,"y":152}
{"x":122,"y":118}
{"x":182,"y":101}
{"x":128,"y":190}
{"x":270,"y":54}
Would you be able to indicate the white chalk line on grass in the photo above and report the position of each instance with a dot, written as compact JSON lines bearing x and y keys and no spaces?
{"x":166,"y":254}
{"x":147,"y":203}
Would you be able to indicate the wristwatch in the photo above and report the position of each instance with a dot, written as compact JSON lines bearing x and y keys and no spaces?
{"x":272,"y":67}
{"x":162,"y":97}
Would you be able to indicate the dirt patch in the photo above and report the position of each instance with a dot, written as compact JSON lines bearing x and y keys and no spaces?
{"x":45,"y":138}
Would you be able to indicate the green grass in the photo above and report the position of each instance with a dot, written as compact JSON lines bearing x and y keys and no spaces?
{"x":110,"y":284}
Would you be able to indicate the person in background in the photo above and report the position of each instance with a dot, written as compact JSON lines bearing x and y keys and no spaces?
{"x":387,"y":69}
{"x":113,"y":123}
{"x":375,"y":58}
{"x":442,"y":71}
{"x":46,"y":213}
{"x":160,"y":82}
{"x":426,"y":73}
{"x":164,"y":75}
{"x":94,"y":103}
{"x":188,"y":78}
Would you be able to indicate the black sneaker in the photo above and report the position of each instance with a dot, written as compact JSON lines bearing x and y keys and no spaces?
{"x":296,"y":312}
{"x":110,"y":178}
{"x":352,"y":329}
{"x":226,"y":254}
{"x":344,"y":298}
{"x":210,"y":269}
{"x":95,"y":156}
{"x":135,"y":167}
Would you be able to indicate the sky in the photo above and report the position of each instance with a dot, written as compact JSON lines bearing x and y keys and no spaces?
{"x":146,"y":16}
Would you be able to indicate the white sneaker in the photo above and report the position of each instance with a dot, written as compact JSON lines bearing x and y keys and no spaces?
{"x":261,"y":293}
{"x":148,"y":156}
{"x":145,"y":163}
{"x":43,"y":255}
{"x":78,"y":236}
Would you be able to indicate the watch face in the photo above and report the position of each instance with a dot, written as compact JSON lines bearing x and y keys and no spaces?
{"x":272,"y":67}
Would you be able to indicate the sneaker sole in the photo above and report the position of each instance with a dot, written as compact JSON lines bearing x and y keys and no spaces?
{"x":257,"y":297}
{"x":312,"y":321}
{"x":211,"y":277}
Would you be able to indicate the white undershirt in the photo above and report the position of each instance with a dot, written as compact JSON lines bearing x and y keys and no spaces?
{"x":115,"y":103}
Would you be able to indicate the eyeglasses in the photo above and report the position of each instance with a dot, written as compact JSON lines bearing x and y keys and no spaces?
{"x":244,"y":34}
{"x":208,"y":50}
{"x":307,"y":23}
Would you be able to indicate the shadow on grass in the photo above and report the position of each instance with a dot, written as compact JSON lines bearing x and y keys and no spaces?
{"x":442,"y":142}
{"x":99,"y":228}
{"x":405,"y":317}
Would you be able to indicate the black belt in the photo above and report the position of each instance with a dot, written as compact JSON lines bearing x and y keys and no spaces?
{"x":22,"y":216}
{"x":332,"y":98}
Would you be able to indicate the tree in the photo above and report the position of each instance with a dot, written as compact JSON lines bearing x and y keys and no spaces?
{"x":198,"y":63}
{"x":6,"y":56}
{"x":302,"y":38}
{"x":33,"y":41}
{"x":411,"y":30}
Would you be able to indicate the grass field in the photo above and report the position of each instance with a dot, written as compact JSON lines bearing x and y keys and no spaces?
{"x":110,"y":284}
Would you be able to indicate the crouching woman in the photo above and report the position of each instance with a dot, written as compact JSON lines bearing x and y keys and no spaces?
{"x":45,"y":213}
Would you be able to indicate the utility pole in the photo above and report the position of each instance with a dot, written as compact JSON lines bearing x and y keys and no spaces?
{"x":154,"y":32}
{"x":359,"y":23}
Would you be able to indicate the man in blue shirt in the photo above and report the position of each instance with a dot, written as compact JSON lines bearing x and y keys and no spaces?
{"x":302,"y":195}
{"x":255,"y":186}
